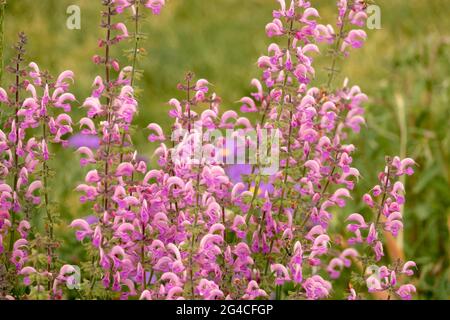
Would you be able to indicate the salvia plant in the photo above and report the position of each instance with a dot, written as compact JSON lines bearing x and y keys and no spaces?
{"x":212,"y":220}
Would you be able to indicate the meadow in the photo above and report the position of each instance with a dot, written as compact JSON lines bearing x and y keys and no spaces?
{"x":404,"y":68}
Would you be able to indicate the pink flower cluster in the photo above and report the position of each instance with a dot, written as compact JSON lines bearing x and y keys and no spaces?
{"x":191,"y":229}
{"x":37,"y":116}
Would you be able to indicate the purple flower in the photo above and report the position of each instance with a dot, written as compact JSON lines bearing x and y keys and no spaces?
{"x":84,"y":140}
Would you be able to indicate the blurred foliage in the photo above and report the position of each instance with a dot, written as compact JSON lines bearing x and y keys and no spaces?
{"x":404,"y":68}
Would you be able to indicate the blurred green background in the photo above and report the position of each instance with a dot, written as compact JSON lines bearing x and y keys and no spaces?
{"x":404,"y":68}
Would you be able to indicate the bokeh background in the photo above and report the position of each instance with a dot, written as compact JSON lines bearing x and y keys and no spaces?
{"x":404,"y":68}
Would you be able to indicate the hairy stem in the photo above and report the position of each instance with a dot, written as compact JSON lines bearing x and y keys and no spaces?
{"x":16,"y":157}
{"x":108,"y":103}
{"x":136,"y":43}
{"x":340,"y":36}
{"x":134,"y":62}
{"x":386,"y":181}
{"x":258,"y":180}
{"x":49,"y":226}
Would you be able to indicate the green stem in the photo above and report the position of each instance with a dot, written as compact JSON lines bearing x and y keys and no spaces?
{"x":108,"y":103}
{"x":385,"y":186}
{"x":258,"y":179}
{"x":2,"y":18}
{"x":340,"y":36}
{"x":134,"y":62}
{"x":136,"y":42}
{"x":287,"y":163}
{"x":16,"y":157}
{"x":197,"y":209}
{"x":49,"y":227}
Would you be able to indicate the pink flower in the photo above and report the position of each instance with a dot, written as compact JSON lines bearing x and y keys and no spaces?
{"x":405,"y":291}
{"x":373,"y":234}
{"x":349,"y":252}
{"x":316,"y":288}
{"x":146,"y":295}
{"x":356,"y":217}
{"x":239,"y":226}
{"x":66,"y":75}
{"x":155,"y":5}
{"x":281,"y":273}
{"x":253,"y":291}
{"x":3,"y":96}
{"x":159,"y":133}
{"x":407,"y":268}
{"x":334,"y":268}
{"x":125,"y":169}
{"x":352,"y":295}
{"x":248,"y":105}
{"x":89,"y":156}
{"x":84,"y":229}
{"x":275,"y":28}
{"x":378,"y":249}
{"x":338,"y":195}
{"x":393,"y":223}
{"x":121,"y":27}
{"x":35,"y":185}
{"x":23,"y":228}
{"x":403,"y":166}
{"x":373,"y":283}
{"x":355,"y":39}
